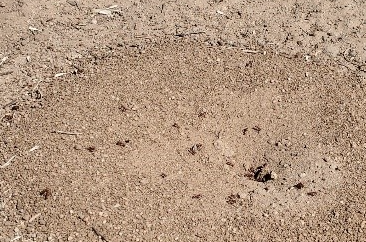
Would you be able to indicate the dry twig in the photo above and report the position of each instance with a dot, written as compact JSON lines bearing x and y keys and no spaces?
{"x":64,"y":132}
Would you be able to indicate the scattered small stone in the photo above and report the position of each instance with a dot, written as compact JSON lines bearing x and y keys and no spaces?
{"x":362,"y":68}
{"x":78,"y":147}
{"x":274,"y":175}
{"x":197,"y":196}
{"x":202,"y":114}
{"x":2,"y":5}
{"x":279,"y":144}
{"x":163,"y":175}
{"x":123,"y":143}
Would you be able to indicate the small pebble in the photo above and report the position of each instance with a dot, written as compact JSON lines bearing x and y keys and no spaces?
{"x":274,"y":175}
{"x":144,"y":181}
{"x":363,"y":224}
{"x":78,"y":147}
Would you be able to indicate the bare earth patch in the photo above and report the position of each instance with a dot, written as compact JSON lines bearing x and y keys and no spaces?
{"x":182,"y":121}
{"x":184,"y":142}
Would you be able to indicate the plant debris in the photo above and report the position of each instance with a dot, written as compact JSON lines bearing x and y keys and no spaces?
{"x":34,"y":148}
{"x":8,"y":162}
{"x":244,"y":131}
{"x":256,"y":128}
{"x":106,"y":11}
{"x":195,"y":148}
{"x":99,"y":234}
{"x":33,"y":29}
{"x":64,"y":132}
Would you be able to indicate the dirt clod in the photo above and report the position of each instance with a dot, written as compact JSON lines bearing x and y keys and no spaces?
{"x":262,"y":174}
{"x":46,"y":193}
{"x":299,"y":185}
{"x":230,"y":75}
{"x":312,"y":194}
{"x":197,"y":196}
{"x":91,"y":149}
{"x":233,"y":199}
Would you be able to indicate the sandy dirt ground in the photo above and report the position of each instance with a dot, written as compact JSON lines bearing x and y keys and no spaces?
{"x":219,"y":120}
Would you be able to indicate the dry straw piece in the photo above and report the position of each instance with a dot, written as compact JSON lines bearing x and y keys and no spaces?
{"x":8,"y":162}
